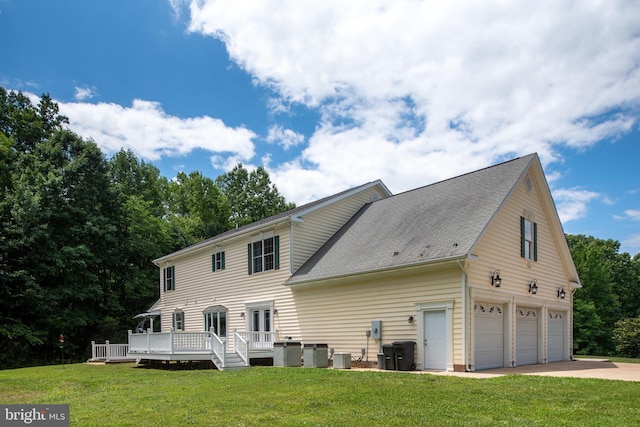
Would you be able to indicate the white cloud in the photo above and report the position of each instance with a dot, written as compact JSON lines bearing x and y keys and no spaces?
{"x":84,"y":93}
{"x":632,"y":214}
{"x":631,"y":244}
{"x":572,"y":203}
{"x":286,"y":138}
{"x":148,"y":131}
{"x":414,"y":91}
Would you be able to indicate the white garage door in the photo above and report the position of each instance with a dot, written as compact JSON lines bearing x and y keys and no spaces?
{"x":526,"y":336}
{"x":489,"y":336}
{"x":556,"y":338}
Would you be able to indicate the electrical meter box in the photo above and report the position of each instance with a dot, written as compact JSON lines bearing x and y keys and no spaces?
{"x":376,"y":329}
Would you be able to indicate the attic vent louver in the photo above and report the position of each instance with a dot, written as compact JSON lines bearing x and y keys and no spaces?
{"x":528,"y":183}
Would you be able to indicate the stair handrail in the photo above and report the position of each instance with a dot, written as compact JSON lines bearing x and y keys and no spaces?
{"x":219,"y":347}
{"x":241,"y":347}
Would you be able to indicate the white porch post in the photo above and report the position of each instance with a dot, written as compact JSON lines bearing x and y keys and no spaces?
{"x":108,"y":350}
{"x":93,"y":350}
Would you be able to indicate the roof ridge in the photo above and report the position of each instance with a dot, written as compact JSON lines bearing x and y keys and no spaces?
{"x":462,"y":175}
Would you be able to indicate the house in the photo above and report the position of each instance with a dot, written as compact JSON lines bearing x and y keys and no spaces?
{"x":474,"y":269}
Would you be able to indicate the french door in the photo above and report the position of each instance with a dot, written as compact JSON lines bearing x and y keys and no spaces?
{"x":261,"y":326}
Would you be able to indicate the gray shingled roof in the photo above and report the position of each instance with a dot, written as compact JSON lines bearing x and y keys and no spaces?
{"x":440,"y":221}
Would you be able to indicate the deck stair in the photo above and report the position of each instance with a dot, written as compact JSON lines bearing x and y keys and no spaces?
{"x":232,"y":362}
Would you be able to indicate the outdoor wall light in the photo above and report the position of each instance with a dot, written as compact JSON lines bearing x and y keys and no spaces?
{"x":561,"y":293}
{"x":533,"y":287}
{"x":410,"y":320}
{"x":242,"y":314}
{"x":495,"y":279}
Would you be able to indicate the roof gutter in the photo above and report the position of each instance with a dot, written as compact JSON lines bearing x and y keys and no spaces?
{"x":441,"y":261}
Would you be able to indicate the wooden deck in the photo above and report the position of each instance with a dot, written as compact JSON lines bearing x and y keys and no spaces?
{"x":180,"y":345}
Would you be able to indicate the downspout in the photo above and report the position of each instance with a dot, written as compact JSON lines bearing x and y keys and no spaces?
{"x":291,"y":248}
{"x":294,"y":219}
{"x":464,"y":314}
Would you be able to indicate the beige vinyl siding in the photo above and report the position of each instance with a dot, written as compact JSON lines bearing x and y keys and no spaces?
{"x":197,"y":287}
{"x":339,"y":315}
{"x":499,"y":249}
{"x":320,"y":225}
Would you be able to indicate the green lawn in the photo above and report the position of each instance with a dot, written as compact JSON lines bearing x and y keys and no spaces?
{"x":610,"y":358}
{"x":126,"y":395}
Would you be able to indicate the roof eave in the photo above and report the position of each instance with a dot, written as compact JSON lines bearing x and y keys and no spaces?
{"x":396,"y":268}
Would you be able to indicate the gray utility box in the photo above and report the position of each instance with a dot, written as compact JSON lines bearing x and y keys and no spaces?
{"x":287,"y":353}
{"x":342,"y":361}
{"x":316,"y":355}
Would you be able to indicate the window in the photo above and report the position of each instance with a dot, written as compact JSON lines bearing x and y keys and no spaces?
{"x":178,"y":320}
{"x":217,"y":261}
{"x":528,"y":239}
{"x":264,"y":255}
{"x":169,"y":278}
{"x":215,"y":320}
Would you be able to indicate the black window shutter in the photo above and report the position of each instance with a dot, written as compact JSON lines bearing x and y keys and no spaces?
{"x":250,"y":259}
{"x":522,"y":239}
{"x":213,"y":262}
{"x":276,"y":252}
{"x":164,"y":279}
{"x":535,"y":241}
{"x":222,"y":261}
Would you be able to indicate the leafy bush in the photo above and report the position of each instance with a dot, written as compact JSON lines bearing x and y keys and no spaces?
{"x":627,"y":336}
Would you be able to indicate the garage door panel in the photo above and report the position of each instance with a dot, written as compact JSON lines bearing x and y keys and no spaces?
{"x":526,"y":336}
{"x":489,"y":336}
{"x":556,"y":336}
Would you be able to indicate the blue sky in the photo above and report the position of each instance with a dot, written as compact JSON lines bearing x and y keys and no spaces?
{"x":329,"y":95}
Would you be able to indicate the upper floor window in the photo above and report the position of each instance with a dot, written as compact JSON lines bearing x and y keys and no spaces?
{"x":178,"y":320}
{"x":528,"y":239}
{"x":264,"y":255}
{"x":217,"y":261}
{"x":169,"y":279}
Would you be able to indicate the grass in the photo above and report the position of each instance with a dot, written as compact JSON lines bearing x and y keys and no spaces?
{"x":122,"y":395}
{"x":610,"y":358}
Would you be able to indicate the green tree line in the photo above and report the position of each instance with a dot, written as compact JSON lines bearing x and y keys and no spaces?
{"x":607,"y":307}
{"x":79,"y":231}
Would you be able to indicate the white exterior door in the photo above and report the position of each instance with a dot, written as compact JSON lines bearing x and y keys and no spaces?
{"x":435,"y":340}
{"x":556,"y":337}
{"x":526,"y":336}
{"x":489,"y":336}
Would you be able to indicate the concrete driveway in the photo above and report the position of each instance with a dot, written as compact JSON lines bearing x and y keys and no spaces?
{"x":580,"y":368}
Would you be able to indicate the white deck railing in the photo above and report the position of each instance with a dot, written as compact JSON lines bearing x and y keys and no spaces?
{"x":108,"y":351}
{"x":199,"y":342}
{"x":258,"y":340}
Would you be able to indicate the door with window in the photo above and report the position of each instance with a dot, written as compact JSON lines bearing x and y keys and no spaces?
{"x":215,"y":320}
{"x":261,"y":326}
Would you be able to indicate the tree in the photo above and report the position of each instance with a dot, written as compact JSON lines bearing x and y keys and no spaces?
{"x":252,"y":195}
{"x":610,"y":292}
{"x":627,"y":336}
{"x":197,"y":205}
